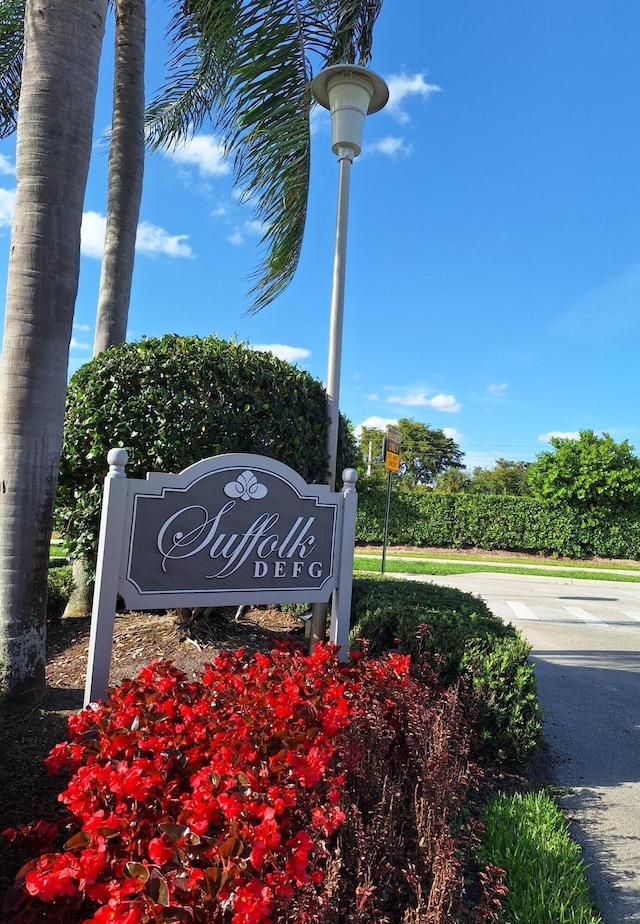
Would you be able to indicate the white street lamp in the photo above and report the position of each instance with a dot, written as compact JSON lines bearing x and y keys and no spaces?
{"x":350,"y":93}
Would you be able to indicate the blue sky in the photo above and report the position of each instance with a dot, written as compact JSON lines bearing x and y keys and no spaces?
{"x":493,"y":269}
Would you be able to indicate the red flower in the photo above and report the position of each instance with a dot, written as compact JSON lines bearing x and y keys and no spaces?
{"x":217,"y":778}
{"x":51,"y":884}
{"x":252,"y":904}
{"x":298,"y":862}
{"x":106,"y":915}
{"x":159,"y":852}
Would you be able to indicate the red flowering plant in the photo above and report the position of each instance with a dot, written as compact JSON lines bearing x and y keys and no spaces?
{"x":407,"y":850}
{"x":198,"y":800}
{"x":279,"y":788}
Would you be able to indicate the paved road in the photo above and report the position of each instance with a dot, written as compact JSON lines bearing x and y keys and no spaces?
{"x":586,"y":649}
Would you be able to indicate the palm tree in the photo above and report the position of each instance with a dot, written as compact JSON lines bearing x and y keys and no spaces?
{"x":251,"y":68}
{"x":246,"y":66}
{"x":62,"y":45}
{"x":126,"y":167}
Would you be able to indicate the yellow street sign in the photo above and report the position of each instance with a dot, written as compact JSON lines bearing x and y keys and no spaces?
{"x":391,"y":450}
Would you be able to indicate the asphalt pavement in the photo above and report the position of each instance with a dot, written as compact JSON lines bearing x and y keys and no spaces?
{"x":586,"y":649}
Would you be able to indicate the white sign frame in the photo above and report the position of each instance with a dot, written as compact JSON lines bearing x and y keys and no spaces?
{"x":118,"y":535}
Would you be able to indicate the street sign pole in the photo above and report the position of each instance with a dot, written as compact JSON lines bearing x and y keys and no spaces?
{"x":386,"y":522}
{"x":391,"y":458}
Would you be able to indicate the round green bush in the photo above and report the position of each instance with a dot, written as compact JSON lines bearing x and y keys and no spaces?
{"x":172,"y":401}
{"x":470,"y":642}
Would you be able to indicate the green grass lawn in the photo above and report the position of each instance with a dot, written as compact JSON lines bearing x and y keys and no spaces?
{"x":56,"y":549}
{"x":414,"y":563}
{"x":489,"y":559}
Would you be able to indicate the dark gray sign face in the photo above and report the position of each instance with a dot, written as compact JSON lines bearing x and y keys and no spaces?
{"x":229,"y":530}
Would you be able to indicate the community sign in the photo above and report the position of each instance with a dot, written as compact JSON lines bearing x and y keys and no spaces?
{"x":235,"y":528}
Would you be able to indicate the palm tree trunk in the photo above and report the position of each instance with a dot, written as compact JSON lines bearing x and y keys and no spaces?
{"x":63,"y":40}
{"x":126,"y":166}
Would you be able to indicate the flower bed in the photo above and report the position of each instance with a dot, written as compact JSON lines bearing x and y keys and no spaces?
{"x":277,"y":788}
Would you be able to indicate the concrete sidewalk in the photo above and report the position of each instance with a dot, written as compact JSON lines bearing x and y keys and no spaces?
{"x":589,"y":690}
{"x":591,"y":717}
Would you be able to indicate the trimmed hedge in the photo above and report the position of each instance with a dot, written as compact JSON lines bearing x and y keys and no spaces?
{"x":468,"y":642}
{"x":386,"y":611}
{"x":172,"y":401}
{"x":59,"y":589}
{"x":518,"y":524}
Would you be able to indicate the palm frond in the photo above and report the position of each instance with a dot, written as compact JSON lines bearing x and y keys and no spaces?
{"x":11,"y":50}
{"x":247,"y":65}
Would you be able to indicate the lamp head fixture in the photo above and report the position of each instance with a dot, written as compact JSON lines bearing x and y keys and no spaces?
{"x":350,"y":92}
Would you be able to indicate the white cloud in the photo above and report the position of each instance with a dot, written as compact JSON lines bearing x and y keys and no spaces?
{"x":83,"y":327}
{"x":378,"y":423}
{"x":255,"y":227}
{"x":249,"y":228}
{"x":402,"y":86}
{"x":453,"y":434}
{"x":497,"y":391}
{"x":390,"y":146}
{"x":445,"y":403}
{"x":282,"y":351}
{"x":7,"y":205}
{"x":319,"y":120}
{"x":568,"y":435}
{"x":150,"y":239}
{"x":92,"y":234}
{"x":6,"y":167}
{"x":202,"y":151}
{"x":77,"y":345}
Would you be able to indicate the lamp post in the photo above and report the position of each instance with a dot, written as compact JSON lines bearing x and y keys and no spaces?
{"x":350,"y":93}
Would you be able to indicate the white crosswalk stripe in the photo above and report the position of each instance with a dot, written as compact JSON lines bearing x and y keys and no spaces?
{"x":520,"y":610}
{"x":583,"y":616}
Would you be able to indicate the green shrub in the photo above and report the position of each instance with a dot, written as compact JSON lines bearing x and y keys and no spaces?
{"x":509,"y":722}
{"x":470,"y":642}
{"x":173,"y":401}
{"x":59,"y":589}
{"x":386,"y":610}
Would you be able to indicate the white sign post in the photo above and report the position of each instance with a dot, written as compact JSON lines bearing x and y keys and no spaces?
{"x":231,"y":529}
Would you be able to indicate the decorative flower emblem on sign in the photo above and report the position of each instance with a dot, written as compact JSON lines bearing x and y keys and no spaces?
{"x":247,"y":487}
